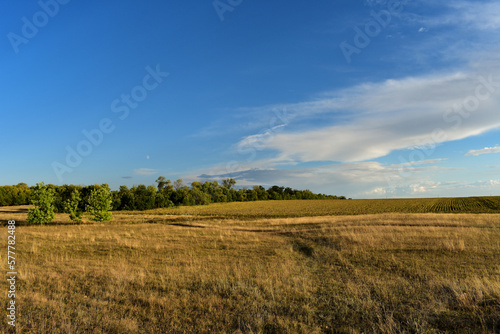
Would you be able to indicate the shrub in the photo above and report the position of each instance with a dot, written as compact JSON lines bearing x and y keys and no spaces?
{"x":43,"y":200}
{"x":71,"y":206}
{"x":100,"y":203}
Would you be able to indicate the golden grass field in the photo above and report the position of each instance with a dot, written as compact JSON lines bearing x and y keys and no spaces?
{"x":248,"y":268}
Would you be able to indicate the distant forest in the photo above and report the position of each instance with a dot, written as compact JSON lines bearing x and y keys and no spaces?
{"x":165,"y":194}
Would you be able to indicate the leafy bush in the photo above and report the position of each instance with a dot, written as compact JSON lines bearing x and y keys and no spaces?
{"x":71,"y":206}
{"x":43,"y":200}
{"x":100,"y":203}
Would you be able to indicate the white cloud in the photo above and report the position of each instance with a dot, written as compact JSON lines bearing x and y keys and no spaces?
{"x":482,"y":15}
{"x":494,"y":182}
{"x":145,"y":171}
{"x":486,"y":150}
{"x":492,"y":185}
{"x":377,"y":191}
{"x":421,"y":162}
{"x":424,"y":187}
{"x":379,"y":118}
{"x":457,"y":31}
{"x":418,"y":189}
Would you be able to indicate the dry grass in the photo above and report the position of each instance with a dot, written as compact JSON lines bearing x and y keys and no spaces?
{"x":154,"y":273}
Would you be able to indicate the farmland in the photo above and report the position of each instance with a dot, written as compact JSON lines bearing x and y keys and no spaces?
{"x":352,"y":266}
{"x":296,"y":208}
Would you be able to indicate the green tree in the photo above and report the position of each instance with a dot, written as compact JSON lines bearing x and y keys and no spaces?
{"x":162,"y":182}
{"x":100,"y":203}
{"x":127,"y":199}
{"x":43,"y":200}
{"x":179,"y":184}
{"x":196,"y":197}
{"x":71,"y":206}
{"x":228,"y":183}
{"x":196,"y":185}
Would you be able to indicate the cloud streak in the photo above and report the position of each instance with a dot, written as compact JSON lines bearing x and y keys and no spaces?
{"x":145,"y":171}
{"x":486,"y":150}
{"x":480,"y":15}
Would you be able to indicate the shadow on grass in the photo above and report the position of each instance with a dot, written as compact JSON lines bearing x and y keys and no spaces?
{"x":22,"y":210}
{"x":25,"y":223}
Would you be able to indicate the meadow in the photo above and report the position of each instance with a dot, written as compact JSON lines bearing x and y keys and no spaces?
{"x":353,"y":266}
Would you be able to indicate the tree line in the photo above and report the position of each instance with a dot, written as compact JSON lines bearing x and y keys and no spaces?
{"x":168,"y":194}
{"x":165,"y":194}
{"x":100,"y":199}
{"x":15,"y":195}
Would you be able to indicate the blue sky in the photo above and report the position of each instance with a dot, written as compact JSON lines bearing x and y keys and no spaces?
{"x":368,"y":99}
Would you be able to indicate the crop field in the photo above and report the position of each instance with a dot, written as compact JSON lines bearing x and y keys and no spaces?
{"x":301,"y":208}
{"x":352,"y":266}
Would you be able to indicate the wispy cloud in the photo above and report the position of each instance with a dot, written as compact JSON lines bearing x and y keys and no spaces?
{"x":486,"y":150}
{"x":145,"y":171}
{"x":378,"y":118}
{"x":455,"y":31}
{"x":482,"y":15}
